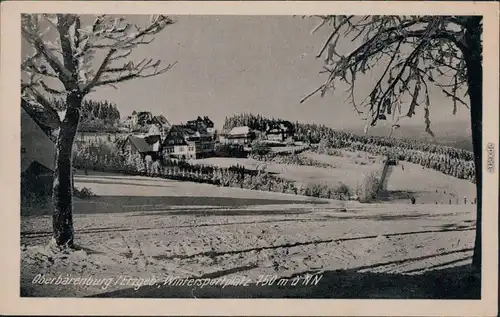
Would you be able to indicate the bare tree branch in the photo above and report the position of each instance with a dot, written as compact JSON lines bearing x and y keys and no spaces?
{"x":101,"y":69}
{"x":29,"y":31}
{"x":137,"y":73}
{"x":312,"y":93}
{"x":436,"y":48}
{"x":335,"y":32}
{"x":120,"y":45}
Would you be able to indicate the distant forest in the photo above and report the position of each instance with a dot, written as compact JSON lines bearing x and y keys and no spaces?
{"x":254,"y":122}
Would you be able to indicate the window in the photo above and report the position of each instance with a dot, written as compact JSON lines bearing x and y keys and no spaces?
{"x":191,"y":148}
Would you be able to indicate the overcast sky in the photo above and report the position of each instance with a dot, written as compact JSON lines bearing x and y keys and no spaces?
{"x":234,"y":64}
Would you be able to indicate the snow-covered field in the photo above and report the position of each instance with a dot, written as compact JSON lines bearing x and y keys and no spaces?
{"x":144,"y":227}
{"x":426,"y":185}
{"x":348,"y":170}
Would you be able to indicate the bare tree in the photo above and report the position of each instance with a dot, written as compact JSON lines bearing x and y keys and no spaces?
{"x":70,"y":60}
{"x":411,"y":53}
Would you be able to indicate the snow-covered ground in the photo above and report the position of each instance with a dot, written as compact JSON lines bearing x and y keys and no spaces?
{"x":426,"y":185}
{"x":348,"y":170}
{"x":143,"y":227}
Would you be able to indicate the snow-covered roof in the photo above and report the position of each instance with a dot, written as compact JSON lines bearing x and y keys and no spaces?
{"x":161,"y":120}
{"x":36,"y":145}
{"x":240,"y":130}
{"x":145,"y":143}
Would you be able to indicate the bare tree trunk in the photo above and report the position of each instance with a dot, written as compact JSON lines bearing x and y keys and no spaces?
{"x":62,"y":193}
{"x":473,"y":59}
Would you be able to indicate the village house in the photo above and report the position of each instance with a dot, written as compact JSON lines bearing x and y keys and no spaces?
{"x":238,"y":136}
{"x":130,"y":121}
{"x":210,"y":125}
{"x":144,"y":145}
{"x":141,"y":118}
{"x":159,"y":125}
{"x":37,"y":151}
{"x":144,"y":117}
{"x":279,"y":131}
{"x":202,"y":124}
{"x":184,"y":142}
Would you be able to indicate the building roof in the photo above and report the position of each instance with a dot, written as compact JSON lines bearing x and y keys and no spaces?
{"x":186,"y":131}
{"x":35,"y":144}
{"x":205,"y":121}
{"x":244,"y":130}
{"x":144,"y":117}
{"x":208,"y":122}
{"x":161,"y":120}
{"x":199,"y":119}
{"x":41,"y":116}
{"x":145,"y":144}
{"x":189,"y":131}
{"x":279,"y":127}
{"x":183,"y":133}
{"x":145,"y":113}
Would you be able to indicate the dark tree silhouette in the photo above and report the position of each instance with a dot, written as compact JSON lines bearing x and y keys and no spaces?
{"x":411,"y":53}
{"x":69,"y":60}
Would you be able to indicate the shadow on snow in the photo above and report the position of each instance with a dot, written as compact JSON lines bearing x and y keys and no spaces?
{"x":120,"y":204}
{"x":450,"y":283}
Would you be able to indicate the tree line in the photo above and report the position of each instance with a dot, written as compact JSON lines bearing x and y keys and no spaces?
{"x":95,"y":115}
{"x":254,"y":122}
{"x":314,"y":133}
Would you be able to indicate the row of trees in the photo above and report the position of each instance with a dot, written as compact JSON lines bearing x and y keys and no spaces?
{"x":98,"y":116}
{"x":254,"y":122}
{"x":314,"y":133}
{"x":289,"y":159}
{"x":95,"y":115}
